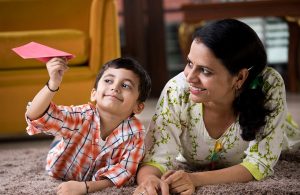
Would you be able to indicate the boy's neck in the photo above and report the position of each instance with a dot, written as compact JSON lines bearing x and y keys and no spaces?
{"x":108,"y":123}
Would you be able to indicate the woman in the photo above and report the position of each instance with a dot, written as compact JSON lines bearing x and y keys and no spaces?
{"x":226,"y":111}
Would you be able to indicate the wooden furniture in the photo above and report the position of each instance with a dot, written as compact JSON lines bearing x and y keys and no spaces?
{"x":195,"y":15}
{"x":86,"y":28}
{"x":145,"y":39}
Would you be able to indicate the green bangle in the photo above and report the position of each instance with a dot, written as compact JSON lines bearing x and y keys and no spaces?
{"x":47,"y":84}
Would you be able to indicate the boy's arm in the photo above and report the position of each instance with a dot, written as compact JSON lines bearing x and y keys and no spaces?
{"x":56,"y":68}
{"x":94,"y":186}
{"x":75,"y":187}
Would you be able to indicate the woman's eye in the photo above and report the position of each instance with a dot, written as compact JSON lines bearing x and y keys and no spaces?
{"x":189,"y":63}
{"x":205,"y":71}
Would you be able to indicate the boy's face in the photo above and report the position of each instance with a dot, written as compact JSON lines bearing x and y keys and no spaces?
{"x":117,"y":93}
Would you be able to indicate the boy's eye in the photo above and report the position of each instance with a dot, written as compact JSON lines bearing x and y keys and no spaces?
{"x":107,"y":81}
{"x":126,"y":86}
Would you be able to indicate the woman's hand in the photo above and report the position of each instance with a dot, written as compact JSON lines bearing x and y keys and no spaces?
{"x":151,"y":186}
{"x":179,"y":182}
{"x":71,"y":188}
{"x":56,"y":68}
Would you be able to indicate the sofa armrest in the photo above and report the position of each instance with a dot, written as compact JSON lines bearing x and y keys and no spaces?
{"x":105,"y":40}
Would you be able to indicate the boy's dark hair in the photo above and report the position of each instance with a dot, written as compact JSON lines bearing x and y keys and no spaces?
{"x":129,"y":64}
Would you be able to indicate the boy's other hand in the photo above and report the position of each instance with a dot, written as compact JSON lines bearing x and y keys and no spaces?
{"x":56,"y":68}
{"x":71,"y":188}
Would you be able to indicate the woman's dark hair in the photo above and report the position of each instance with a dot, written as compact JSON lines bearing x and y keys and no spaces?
{"x":129,"y":64}
{"x":238,"y":47}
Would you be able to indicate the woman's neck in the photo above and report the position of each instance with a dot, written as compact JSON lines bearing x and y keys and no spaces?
{"x":218,"y":109}
{"x":218,"y":119}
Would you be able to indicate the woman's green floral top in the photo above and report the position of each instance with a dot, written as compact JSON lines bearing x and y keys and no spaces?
{"x":177,"y":129}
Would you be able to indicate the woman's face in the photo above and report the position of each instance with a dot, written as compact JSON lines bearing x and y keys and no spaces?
{"x":209,"y":80}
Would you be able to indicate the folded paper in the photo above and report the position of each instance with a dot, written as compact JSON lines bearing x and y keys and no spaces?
{"x":40,"y":52}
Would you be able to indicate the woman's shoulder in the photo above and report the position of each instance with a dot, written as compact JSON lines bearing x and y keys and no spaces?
{"x":271,"y":75}
{"x":178,"y":82}
{"x":176,"y":92}
{"x":177,"y":87}
{"x":272,"y":79}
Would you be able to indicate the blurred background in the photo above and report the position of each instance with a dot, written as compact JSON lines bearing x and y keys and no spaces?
{"x":150,"y":32}
{"x":155,"y":32}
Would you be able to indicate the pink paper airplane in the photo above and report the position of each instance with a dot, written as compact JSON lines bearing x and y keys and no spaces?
{"x":40,"y":52}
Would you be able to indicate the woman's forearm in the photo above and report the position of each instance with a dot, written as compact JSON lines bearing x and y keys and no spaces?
{"x":146,"y":171}
{"x":236,"y":173}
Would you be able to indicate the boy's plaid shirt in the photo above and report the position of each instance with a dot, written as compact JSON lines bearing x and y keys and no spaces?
{"x":82,"y":154}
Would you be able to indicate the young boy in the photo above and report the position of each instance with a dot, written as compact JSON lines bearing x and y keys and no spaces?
{"x":102,"y":143}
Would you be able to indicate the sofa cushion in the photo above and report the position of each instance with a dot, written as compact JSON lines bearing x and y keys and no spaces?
{"x":72,"y":41}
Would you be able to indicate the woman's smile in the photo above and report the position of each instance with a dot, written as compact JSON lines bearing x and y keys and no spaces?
{"x":196,"y":90}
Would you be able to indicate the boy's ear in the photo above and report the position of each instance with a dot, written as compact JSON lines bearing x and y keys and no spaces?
{"x":93,"y":95}
{"x":139,"y":108}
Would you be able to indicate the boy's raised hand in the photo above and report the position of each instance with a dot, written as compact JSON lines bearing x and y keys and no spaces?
{"x":56,"y":68}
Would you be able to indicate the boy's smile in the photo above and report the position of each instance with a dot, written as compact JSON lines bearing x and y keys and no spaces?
{"x":113,"y":96}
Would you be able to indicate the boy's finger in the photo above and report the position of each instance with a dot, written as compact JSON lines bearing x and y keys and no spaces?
{"x":54,"y":62}
{"x":59,"y":59}
{"x":55,"y":58}
{"x":66,"y":67}
{"x":60,"y":63}
{"x":64,"y":60}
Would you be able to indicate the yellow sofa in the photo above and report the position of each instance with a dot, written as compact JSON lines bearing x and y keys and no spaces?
{"x":85,"y":28}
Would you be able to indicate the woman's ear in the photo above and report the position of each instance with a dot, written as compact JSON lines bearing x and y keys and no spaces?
{"x":139,"y":108}
{"x":93,"y":95}
{"x":241,"y":78}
